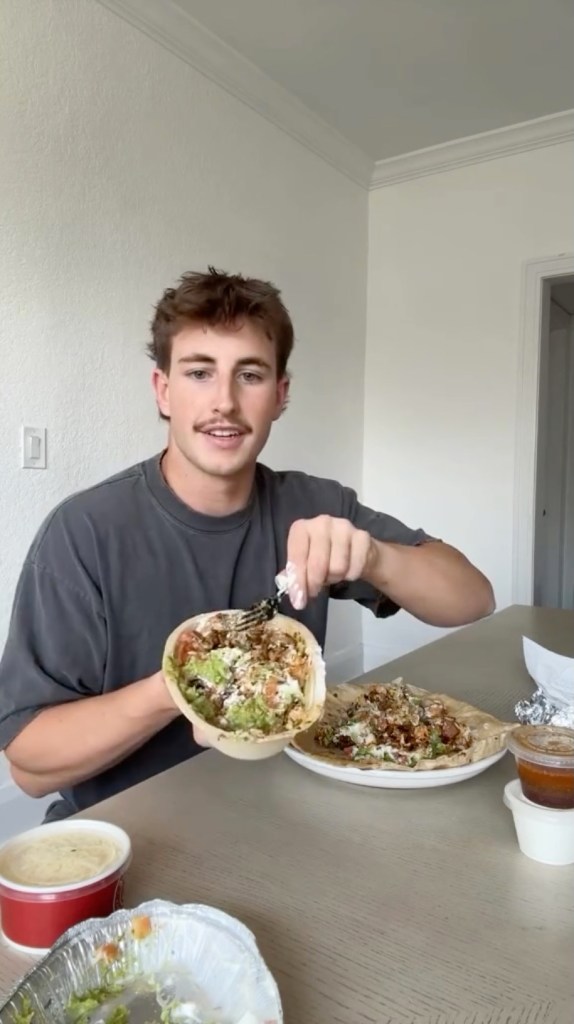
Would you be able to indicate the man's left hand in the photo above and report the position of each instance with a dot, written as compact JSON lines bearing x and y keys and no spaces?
{"x":324,"y":551}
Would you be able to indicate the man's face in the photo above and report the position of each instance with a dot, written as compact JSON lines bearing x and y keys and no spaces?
{"x":221,"y":395}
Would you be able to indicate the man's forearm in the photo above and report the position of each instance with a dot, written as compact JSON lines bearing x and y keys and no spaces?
{"x":433,"y":581}
{"x":72,"y":742}
{"x":49,"y":782}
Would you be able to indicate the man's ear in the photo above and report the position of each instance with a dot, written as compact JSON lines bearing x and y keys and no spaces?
{"x":160,"y":384}
{"x":283,"y":394}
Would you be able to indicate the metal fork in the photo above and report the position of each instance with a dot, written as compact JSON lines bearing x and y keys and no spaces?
{"x":265,"y":610}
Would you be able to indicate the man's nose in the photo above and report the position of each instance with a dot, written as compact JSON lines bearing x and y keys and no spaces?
{"x":225,"y":397}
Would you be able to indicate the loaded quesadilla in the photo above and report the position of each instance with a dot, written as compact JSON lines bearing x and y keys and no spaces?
{"x":399,"y":727}
{"x":391,"y":724}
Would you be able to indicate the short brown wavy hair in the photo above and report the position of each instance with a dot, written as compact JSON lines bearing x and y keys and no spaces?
{"x":216,"y":298}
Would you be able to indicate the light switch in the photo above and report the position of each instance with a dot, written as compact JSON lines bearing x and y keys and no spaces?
{"x":33,"y":447}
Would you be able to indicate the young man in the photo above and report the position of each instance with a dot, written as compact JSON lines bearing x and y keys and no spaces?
{"x":203,"y":526}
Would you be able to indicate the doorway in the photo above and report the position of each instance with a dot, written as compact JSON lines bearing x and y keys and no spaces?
{"x":553,"y":583}
{"x":539,"y":276}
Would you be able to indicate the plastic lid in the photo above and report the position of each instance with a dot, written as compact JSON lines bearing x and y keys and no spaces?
{"x":550,"y":745}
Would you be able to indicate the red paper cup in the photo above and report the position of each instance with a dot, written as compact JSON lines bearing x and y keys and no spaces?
{"x":33,"y":917}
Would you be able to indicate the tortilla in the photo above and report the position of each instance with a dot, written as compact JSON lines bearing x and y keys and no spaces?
{"x":250,"y":744}
{"x":488,"y":733}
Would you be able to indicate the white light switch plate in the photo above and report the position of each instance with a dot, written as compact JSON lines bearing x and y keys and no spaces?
{"x":33,"y":447}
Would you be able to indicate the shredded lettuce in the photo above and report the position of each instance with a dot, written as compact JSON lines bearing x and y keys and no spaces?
{"x":436,"y":746}
{"x":80,"y":1007}
{"x":120,"y":1015}
{"x":25,"y":1015}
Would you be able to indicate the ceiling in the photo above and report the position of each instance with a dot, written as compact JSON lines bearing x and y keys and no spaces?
{"x":394,"y":76}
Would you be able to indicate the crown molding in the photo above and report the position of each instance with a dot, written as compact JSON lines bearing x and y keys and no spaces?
{"x":170,"y":26}
{"x":175,"y":30}
{"x":474,"y":149}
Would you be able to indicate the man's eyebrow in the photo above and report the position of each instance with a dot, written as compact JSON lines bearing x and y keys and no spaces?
{"x":199,"y":357}
{"x":255,"y":361}
{"x":196,"y":357}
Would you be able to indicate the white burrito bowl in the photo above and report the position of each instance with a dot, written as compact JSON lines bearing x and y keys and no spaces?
{"x":244,"y":745}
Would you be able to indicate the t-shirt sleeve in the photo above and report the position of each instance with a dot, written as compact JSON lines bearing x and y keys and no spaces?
{"x":382,"y":527}
{"x":56,"y":646}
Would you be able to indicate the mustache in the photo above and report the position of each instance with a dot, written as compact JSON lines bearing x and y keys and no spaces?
{"x":227,"y":425}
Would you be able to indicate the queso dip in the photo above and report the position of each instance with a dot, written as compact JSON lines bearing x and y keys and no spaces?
{"x":60,"y":858}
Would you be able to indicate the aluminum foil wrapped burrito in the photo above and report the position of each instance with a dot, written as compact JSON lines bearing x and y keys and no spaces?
{"x":552,"y":702}
{"x":159,"y":964}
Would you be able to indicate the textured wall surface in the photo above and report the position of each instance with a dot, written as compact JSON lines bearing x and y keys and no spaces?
{"x":122,"y":167}
{"x":446,"y":256}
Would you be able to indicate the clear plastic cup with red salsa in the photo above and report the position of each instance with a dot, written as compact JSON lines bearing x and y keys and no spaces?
{"x":545,"y":764}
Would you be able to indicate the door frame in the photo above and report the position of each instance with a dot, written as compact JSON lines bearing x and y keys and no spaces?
{"x":535,"y":274}
{"x":568,"y":578}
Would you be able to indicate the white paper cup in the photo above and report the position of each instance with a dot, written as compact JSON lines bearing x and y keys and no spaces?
{"x":543,"y":834}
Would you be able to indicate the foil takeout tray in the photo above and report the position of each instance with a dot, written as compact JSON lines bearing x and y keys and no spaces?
{"x":160,"y":963}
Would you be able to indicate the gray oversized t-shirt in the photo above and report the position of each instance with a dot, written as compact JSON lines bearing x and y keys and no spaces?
{"x":116,"y":567}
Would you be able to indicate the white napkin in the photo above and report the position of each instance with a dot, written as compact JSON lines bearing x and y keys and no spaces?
{"x":552,"y":673}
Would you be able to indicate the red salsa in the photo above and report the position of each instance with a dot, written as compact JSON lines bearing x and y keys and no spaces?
{"x":552,"y":787}
{"x":545,"y":763}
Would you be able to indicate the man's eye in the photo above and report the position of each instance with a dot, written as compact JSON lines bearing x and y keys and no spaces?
{"x":197,"y":374}
{"x":250,"y":377}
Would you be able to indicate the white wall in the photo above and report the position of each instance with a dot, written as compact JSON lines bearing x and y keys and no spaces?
{"x":121,"y":168}
{"x":445,"y":260}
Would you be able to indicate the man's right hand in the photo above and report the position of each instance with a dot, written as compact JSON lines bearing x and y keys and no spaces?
{"x":199,"y":737}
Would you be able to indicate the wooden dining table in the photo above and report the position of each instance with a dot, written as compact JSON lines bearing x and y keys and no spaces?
{"x":373,"y":906}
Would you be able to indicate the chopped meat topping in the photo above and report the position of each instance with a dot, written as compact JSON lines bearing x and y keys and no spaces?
{"x":391,"y":723}
{"x":250,"y":680}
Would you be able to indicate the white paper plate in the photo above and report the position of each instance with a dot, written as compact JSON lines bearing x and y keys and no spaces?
{"x":381,"y":778}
